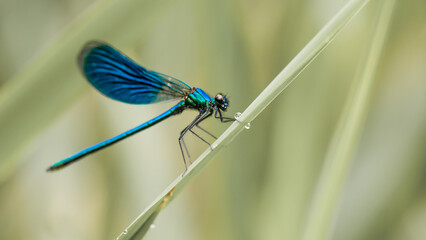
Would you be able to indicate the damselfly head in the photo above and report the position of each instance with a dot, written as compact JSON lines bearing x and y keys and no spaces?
{"x":222,"y":101}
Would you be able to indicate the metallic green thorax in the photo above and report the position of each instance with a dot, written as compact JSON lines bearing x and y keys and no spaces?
{"x":197,"y":98}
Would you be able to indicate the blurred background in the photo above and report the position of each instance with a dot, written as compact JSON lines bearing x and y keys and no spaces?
{"x":261,"y":185}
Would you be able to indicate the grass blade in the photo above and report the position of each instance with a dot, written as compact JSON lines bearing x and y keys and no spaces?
{"x":345,"y":139}
{"x":140,"y":225}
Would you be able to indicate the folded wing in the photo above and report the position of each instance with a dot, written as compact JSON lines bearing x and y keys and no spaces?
{"x":119,"y":78}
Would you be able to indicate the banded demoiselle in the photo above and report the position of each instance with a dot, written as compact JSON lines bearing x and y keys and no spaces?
{"x":118,"y":77}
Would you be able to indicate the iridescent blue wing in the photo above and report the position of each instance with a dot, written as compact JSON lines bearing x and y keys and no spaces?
{"x":119,"y":78}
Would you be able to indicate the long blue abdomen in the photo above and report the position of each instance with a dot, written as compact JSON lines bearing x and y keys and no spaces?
{"x":172,"y":111}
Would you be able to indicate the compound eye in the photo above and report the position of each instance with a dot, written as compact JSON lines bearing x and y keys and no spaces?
{"x":219,"y":98}
{"x":221,"y":101}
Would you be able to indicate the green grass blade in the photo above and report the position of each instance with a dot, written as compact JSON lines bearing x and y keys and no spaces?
{"x":346,"y":137}
{"x":140,"y":225}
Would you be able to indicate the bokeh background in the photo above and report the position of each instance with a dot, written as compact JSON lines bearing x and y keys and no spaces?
{"x":261,"y":185}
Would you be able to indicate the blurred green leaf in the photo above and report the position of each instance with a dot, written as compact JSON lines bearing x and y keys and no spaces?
{"x":340,"y":153}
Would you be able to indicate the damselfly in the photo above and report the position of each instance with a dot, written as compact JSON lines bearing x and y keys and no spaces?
{"x":119,"y":78}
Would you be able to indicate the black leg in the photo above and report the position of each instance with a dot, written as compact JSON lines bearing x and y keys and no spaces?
{"x":181,"y":141}
{"x":184,"y":161}
{"x":204,"y":130}
{"x":222,"y":118}
{"x":202,"y":139}
{"x":197,"y":120}
{"x":201,"y":117}
{"x":204,"y":116}
{"x":186,"y":150}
